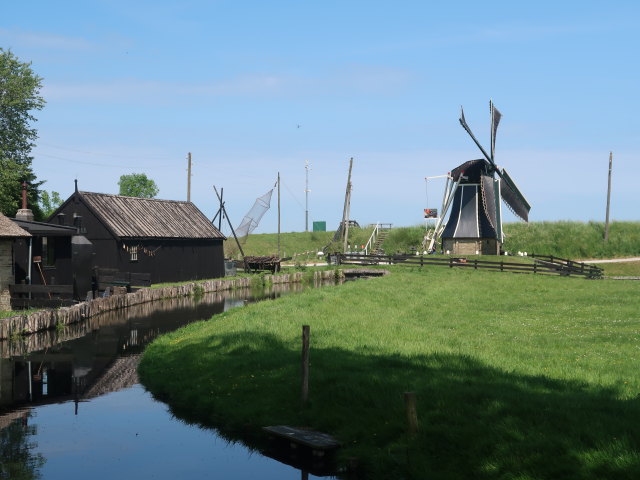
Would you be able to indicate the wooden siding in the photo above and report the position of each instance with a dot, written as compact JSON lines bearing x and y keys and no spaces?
{"x":148,"y":217}
{"x":6,"y":273}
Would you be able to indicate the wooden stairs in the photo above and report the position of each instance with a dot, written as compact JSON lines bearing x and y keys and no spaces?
{"x":377,"y":246}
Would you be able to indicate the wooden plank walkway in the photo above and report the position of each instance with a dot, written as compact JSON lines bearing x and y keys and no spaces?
{"x":316,"y":441}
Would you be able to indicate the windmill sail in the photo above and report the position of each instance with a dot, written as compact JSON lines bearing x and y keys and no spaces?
{"x":513,"y":197}
{"x":489,"y":200}
{"x":495,"y":120}
{"x":463,"y":122}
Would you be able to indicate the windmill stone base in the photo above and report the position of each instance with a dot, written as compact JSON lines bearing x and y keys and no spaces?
{"x":471,"y":246}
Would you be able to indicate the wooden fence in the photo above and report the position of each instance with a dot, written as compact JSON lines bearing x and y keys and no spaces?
{"x":544,"y":265}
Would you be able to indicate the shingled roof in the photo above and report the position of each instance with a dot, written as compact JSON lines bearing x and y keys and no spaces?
{"x":133,"y":217}
{"x":8,"y":229}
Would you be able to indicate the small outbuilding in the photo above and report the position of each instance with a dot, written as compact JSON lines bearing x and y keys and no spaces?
{"x":9,"y":232}
{"x":169,"y":240}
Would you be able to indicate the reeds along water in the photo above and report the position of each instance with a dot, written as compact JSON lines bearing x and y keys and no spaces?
{"x":49,"y":319}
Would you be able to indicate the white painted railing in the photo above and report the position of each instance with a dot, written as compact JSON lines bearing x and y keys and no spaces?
{"x":372,"y":239}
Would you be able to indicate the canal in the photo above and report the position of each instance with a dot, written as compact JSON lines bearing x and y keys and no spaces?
{"x":71,"y":405}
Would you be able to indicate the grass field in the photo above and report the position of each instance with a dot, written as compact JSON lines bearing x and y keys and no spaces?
{"x":622,"y":269}
{"x":517,"y":376}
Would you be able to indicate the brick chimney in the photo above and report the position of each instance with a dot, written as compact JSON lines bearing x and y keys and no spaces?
{"x":24,"y":213}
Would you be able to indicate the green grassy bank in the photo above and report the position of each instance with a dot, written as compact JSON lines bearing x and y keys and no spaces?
{"x":516,"y":376}
{"x":574,"y":240}
{"x":293,"y":243}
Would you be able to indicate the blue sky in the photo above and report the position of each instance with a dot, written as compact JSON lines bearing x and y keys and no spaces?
{"x":251,"y":88}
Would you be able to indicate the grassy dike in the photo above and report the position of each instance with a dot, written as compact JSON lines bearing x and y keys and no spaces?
{"x":567,"y":239}
{"x":294,"y":243}
{"x":516,"y":376}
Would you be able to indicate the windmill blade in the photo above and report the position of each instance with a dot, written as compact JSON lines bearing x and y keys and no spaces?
{"x":463,"y":122}
{"x":513,"y":197}
{"x":495,"y":120}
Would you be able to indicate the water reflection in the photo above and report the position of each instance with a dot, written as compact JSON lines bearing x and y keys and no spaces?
{"x":85,"y":364}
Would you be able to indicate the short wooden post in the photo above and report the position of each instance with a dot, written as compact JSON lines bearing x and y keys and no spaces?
{"x":412,"y":414}
{"x":305,"y":363}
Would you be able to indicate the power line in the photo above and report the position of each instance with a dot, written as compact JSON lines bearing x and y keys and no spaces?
{"x":139,"y":157}
{"x":291,"y":193}
{"x":94,"y":164}
{"x":85,"y":163}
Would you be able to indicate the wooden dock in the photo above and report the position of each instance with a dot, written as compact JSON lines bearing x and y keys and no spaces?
{"x":319,"y":443}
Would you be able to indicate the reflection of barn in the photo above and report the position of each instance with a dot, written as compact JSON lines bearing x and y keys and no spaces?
{"x":94,"y":357}
{"x":170,"y":240}
{"x":9,"y":232}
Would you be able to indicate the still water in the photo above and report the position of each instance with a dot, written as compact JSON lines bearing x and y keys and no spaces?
{"x":71,"y":405}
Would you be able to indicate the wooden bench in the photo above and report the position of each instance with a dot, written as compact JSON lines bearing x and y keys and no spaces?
{"x":42,"y":296}
{"x":111,"y":277}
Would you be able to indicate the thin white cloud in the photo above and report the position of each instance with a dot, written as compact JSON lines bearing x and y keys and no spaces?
{"x":350,"y":80}
{"x":157,"y":91}
{"x":43,"y":40}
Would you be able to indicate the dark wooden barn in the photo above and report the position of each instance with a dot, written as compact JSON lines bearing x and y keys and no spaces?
{"x":170,"y":240}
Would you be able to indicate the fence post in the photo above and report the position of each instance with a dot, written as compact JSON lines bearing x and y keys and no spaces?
{"x":411,"y":411}
{"x":305,"y":363}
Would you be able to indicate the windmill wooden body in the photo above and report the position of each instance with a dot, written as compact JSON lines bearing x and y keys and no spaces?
{"x":473,"y":192}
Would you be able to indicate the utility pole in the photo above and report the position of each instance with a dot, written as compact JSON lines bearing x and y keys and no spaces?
{"x":345,"y":212}
{"x":278,"y":214}
{"x":306,"y":193}
{"x":189,"y":177}
{"x":606,"y":222}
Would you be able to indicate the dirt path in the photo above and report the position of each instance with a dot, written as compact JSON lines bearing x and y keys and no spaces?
{"x":612,"y":260}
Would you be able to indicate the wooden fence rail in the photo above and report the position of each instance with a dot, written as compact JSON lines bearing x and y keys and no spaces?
{"x":545,"y":267}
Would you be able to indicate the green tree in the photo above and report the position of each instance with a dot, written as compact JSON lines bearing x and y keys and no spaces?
{"x":19,"y":97}
{"x":137,"y":185}
{"x":49,"y":202}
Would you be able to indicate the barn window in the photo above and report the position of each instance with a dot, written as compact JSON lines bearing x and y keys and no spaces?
{"x":133,"y":251}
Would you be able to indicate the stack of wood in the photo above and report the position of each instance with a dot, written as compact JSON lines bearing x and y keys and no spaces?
{"x":255,"y":263}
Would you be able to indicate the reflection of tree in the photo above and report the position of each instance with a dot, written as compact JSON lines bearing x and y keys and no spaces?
{"x":17,"y":462}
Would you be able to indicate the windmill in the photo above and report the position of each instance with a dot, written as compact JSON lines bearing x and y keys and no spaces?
{"x":473,"y":193}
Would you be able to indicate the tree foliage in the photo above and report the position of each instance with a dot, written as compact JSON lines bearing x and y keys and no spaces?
{"x":17,"y":457}
{"x":19,"y":98}
{"x":137,"y":185}
{"x":49,"y":202}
